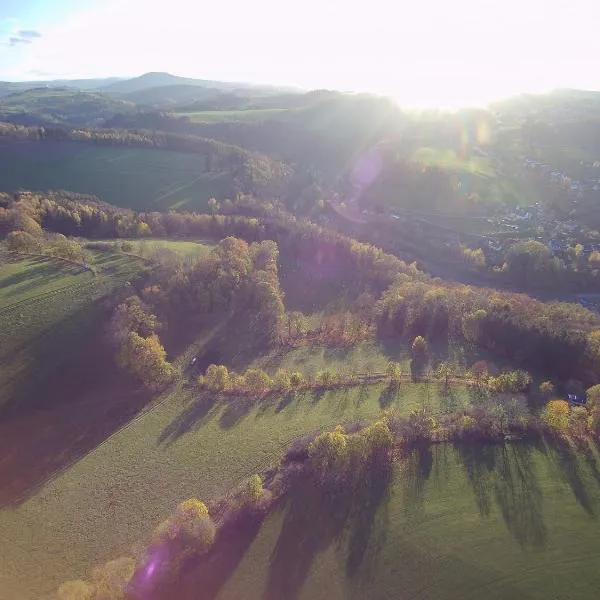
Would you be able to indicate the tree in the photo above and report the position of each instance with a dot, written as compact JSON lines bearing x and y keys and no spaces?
{"x":394,"y":372}
{"x":556,"y":414}
{"x":215,"y":379}
{"x":146,"y":358}
{"x":191,"y":526}
{"x":328,"y":450}
{"x":257,"y":381}
{"x":297,"y":380}
{"x":252,"y":491}
{"x":593,"y":397}
{"x":282,"y":381}
{"x":546,"y":388}
{"x":472,"y":325}
{"x":528,"y":261}
{"x":111,"y":580}
{"x":21,"y":241}
{"x":326,"y":377}
{"x":419,"y":347}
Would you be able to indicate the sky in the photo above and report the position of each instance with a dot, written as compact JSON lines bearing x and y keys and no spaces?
{"x":423,"y":53}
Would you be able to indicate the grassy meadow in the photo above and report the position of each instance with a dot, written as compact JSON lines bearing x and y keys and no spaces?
{"x":48,"y":304}
{"x":137,"y":178}
{"x":451,"y":522}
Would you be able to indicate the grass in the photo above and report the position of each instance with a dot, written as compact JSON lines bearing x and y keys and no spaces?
{"x":147,"y":247}
{"x":137,"y":178}
{"x":187,"y":445}
{"x":213,"y":116}
{"x":47,"y":304}
{"x":450,"y":161}
{"x":465,"y":522}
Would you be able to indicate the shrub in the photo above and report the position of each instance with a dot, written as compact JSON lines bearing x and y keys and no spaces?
{"x":126,"y":246}
{"x":419,"y":346}
{"x":215,"y":379}
{"x":328,"y":449}
{"x":326,"y":377}
{"x":191,"y":526}
{"x":76,"y":590}
{"x":394,"y":371}
{"x":257,"y":382}
{"x":282,"y":381}
{"x":192,"y":509}
{"x":546,"y":388}
{"x":556,"y":414}
{"x":253,"y":491}
{"x":297,"y":380}
{"x":111,"y":580}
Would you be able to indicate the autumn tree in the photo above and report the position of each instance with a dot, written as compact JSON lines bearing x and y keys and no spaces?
{"x":111,"y":580}
{"x":257,"y":382}
{"x":146,"y":358}
{"x":21,"y":241}
{"x":546,"y":388}
{"x":216,"y":378}
{"x":394,"y":371}
{"x":556,"y":414}
{"x":419,"y":347}
{"x":328,"y":450}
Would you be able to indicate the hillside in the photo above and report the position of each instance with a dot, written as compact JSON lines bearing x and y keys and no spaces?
{"x":61,"y":105}
{"x":186,"y":367}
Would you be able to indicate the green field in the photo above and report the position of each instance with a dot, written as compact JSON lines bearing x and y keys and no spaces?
{"x":137,"y":178}
{"x":48,"y":304}
{"x":214,"y":116}
{"x":147,"y":247}
{"x":187,"y":445}
{"x":465,"y":523}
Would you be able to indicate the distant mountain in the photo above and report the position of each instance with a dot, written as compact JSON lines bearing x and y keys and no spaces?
{"x":158,"y":80}
{"x":171,"y":95}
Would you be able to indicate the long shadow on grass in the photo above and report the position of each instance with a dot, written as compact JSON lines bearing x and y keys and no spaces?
{"x":389,"y":394}
{"x":204,"y":576}
{"x":353,"y":517}
{"x":191,"y":416}
{"x":417,"y":468}
{"x":504,"y":474}
{"x":71,"y":400}
{"x":566,"y":460}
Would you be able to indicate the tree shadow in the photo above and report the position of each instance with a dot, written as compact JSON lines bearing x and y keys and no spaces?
{"x":317,"y":516}
{"x":64,"y":403}
{"x":479,"y":462}
{"x":505,"y":473}
{"x":589,"y":454}
{"x":362,"y":396}
{"x":519,"y":495}
{"x":192,"y":416}
{"x":566,"y":460}
{"x":236,"y":410}
{"x":285,"y":401}
{"x":390,"y":393}
{"x":210,"y":572}
{"x":317,"y":395}
{"x":417,"y":469}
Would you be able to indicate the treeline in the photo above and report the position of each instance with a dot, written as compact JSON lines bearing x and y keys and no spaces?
{"x":552,"y":338}
{"x":317,"y":253}
{"x":556,"y":338}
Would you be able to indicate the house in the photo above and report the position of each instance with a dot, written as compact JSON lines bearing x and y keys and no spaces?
{"x":576,"y":398}
{"x":556,"y":246}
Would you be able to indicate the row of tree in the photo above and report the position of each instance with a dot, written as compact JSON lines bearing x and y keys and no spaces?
{"x":133,"y":330}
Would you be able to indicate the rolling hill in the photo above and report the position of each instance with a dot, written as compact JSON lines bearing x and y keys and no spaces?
{"x":61,"y":105}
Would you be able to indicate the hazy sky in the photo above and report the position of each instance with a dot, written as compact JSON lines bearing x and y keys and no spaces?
{"x":436,"y":52}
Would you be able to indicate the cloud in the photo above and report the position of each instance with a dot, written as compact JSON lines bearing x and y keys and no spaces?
{"x":23,"y":36}
{"x":13,"y":41}
{"x":28,"y":34}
